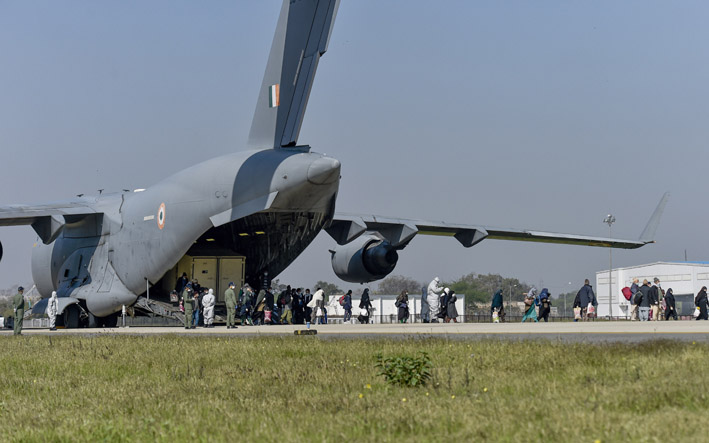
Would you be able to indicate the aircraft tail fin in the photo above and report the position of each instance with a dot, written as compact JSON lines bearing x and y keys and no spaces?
{"x":301,"y":38}
{"x":648,"y":234}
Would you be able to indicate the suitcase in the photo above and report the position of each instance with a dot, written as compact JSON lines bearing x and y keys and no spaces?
{"x":267,"y":316}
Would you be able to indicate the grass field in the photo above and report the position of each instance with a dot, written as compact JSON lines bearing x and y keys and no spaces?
{"x":176,"y":388}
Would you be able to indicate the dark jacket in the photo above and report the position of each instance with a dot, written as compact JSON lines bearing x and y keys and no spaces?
{"x":586,"y":296}
{"x":634,"y":288}
{"x":180,"y":285}
{"x":670,"y":299}
{"x":452,"y":310}
{"x":645,"y":291}
{"x":701,"y":300}
{"x":497,"y":300}
{"x":577,"y":300}
{"x":654,"y":295}
{"x":347,"y":304}
{"x":364,"y":302}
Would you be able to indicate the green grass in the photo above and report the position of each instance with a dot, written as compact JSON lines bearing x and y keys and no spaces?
{"x":177,"y":388}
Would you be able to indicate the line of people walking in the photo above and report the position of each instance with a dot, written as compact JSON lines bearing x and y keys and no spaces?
{"x":649,"y":302}
{"x":439,"y":304}
{"x":291,"y":306}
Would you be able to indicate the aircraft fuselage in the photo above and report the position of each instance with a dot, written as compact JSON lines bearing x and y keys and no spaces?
{"x":106,"y":259}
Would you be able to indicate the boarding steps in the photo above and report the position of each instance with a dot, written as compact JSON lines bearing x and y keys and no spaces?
{"x":159,"y":309}
{"x":165,"y":309}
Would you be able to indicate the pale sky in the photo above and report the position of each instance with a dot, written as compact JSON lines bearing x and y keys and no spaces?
{"x":543,"y":115}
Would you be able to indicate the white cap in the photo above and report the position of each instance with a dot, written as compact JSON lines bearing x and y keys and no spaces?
{"x":446,"y":290}
{"x":436,"y":279}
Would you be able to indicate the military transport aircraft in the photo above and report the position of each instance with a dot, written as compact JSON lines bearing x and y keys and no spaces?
{"x":248,"y":217}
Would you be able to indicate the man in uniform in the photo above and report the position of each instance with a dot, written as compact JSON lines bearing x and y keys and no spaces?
{"x":18,"y":304}
{"x":187,"y":303}
{"x":230,"y":300}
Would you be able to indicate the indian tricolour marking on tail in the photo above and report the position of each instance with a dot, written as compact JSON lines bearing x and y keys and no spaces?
{"x":274,"y":96}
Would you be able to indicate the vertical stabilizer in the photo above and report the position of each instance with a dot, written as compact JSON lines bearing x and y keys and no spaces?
{"x":301,"y":38}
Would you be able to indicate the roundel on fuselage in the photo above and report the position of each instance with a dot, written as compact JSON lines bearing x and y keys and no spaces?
{"x":161,"y":216}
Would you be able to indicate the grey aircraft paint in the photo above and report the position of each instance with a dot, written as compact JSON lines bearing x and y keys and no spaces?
{"x":267,"y":204}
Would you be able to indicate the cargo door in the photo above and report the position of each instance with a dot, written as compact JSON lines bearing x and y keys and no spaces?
{"x":230,"y":269}
{"x":205,"y":271}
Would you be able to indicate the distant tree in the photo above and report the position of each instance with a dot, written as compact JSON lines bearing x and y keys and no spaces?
{"x":329,"y":288}
{"x":394,"y":284}
{"x":558,"y":301}
{"x":479,"y":288}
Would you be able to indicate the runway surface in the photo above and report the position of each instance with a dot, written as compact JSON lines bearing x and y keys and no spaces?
{"x":599,"y":331}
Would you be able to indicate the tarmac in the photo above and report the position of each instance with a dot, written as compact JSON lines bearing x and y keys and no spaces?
{"x":596,"y":331}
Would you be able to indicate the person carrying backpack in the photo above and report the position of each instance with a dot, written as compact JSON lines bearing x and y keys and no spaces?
{"x":642,"y":298}
{"x":347,"y":305}
{"x":544,"y":300}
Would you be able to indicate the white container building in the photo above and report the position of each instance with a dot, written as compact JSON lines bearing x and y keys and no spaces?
{"x":685,"y":279}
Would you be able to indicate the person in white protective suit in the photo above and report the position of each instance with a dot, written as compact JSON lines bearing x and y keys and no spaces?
{"x":52,"y":309}
{"x":208,"y":303}
{"x":432,"y":298}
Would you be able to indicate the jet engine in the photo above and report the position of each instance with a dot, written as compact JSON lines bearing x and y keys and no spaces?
{"x":0,"y":251}
{"x":366,"y":259}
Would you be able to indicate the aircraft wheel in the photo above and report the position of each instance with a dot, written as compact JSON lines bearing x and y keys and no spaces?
{"x":71,"y":317}
{"x":94,"y":322}
{"x":111,"y":321}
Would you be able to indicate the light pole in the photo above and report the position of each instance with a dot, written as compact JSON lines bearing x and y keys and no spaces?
{"x":510,"y":302}
{"x":565,"y":297}
{"x":609,"y":220}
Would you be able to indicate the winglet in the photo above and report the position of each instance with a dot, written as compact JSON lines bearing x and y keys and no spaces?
{"x":648,"y":235}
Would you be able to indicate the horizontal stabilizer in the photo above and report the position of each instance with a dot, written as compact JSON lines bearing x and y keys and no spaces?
{"x":47,"y":220}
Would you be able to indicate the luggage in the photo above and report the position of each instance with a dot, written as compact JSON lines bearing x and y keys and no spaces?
{"x":495,"y":316}
{"x":696,"y":312}
{"x":267,"y":316}
{"x":626,"y":293}
{"x":577,"y":313}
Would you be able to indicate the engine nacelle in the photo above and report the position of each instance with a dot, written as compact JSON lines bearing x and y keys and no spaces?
{"x":366,"y":259}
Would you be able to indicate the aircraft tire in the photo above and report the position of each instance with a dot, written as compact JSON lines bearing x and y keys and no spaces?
{"x":111,"y":321}
{"x":71,"y":317}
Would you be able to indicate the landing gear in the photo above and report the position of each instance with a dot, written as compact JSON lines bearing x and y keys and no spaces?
{"x":71,"y":317}
{"x":110,"y":321}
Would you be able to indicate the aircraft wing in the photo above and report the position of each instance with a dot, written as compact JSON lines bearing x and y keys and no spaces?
{"x":47,"y":220}
{"x":399,"y":232}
